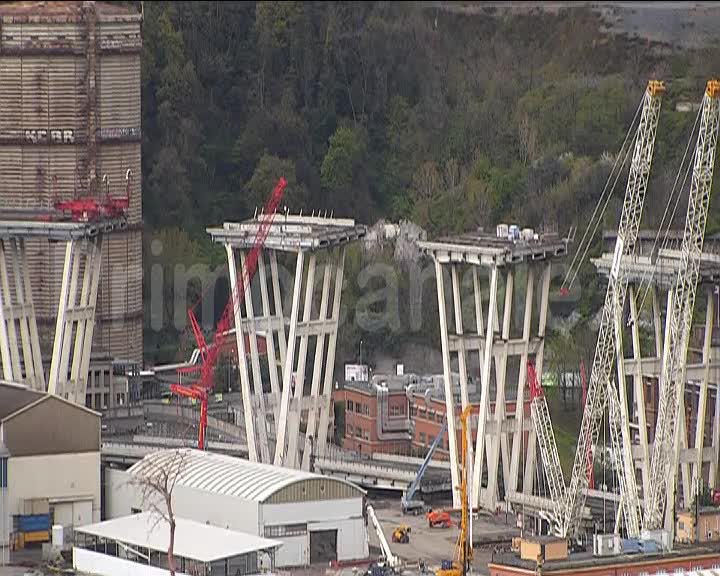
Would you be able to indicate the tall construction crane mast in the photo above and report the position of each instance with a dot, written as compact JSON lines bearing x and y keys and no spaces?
{"x":664,"y":463}
{"x":546,"y":441}
{"x":600,"y":378}
{"x":209,"y":353}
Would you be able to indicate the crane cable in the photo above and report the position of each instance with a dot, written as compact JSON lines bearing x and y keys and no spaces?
{"x":599,"y":220}
{"x":677,"y":192}
{"x":601,"y":200}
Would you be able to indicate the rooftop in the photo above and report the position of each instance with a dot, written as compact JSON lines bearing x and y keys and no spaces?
{"x":228,"y":475}
{"x":485,"y":249}
{"x":291,"y":233}
{"x":193,"y":540}
{"x":64,"y":9}
{"x":585,"y":560}
{"x":703,"y":511}
{"x":14,"y":397}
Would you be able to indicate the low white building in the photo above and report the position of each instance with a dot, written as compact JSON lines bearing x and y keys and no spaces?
{"x":317,"y":518}
{"x":138,"y":544}
{"x":49,"y":459}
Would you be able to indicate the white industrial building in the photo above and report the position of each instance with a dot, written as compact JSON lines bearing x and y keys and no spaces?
{"x":138,"y":544}
{"x":49,"y":459}
{"x":317,"y":518}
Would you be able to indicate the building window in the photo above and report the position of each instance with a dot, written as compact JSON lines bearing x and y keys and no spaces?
{"x":367,"y":435}
{"x":3,"y":472}
{"x":105,"y":400}
{"x":393,"y":410}
{"x":422,"y":438}
{"x":358,"y":408}
{"x":413,"y":410}
{"x":366,"y":409}
{"x":438,"y":417}
{"x":285,"y":530}
{"x":350,"y":405}
{"x":349,"y":432}
{"x":358,"y":432}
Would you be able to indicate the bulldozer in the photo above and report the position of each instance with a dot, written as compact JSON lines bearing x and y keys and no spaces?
{"x":401,"y":534}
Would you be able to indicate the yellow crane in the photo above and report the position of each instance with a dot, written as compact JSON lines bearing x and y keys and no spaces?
{"x":462,"y":558}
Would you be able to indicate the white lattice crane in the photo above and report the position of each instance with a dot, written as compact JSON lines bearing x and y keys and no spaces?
{"x":664,"y":463}
{"x":621,"y":454}
{"x":548,"y":447}
{"x":603,"y":363}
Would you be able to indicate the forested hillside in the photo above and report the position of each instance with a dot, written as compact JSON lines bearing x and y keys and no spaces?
{"x":392,"y":110}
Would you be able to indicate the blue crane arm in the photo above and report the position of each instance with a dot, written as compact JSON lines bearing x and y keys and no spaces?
{"x":409,"y":495}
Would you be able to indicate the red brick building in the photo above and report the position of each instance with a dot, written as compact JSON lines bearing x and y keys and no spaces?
{"x":397,"y":421}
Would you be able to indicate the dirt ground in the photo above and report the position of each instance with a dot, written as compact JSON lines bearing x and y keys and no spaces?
{"x":432,"y":545}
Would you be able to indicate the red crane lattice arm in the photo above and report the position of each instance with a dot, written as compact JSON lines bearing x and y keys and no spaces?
{"x":209,"y":353}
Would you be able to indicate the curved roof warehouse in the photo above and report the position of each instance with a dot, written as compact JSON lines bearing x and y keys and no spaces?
{"x":240,"y":478}
{"x":317,"y":518}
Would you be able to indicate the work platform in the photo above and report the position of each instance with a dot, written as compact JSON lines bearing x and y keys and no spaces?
{"x":314,"y":242}
{"x":58,"y":231}
{"x":484,"y":249}
{"x":290,"y":233}
{"x":499,"y":450}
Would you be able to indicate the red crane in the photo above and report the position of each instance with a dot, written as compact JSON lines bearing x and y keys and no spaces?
{"x":92,"y":209}
{"x":209,"y":353}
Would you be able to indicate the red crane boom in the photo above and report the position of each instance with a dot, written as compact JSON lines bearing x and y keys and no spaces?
{"x":209,"y":353}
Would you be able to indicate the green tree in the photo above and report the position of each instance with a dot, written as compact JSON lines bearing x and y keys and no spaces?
{"x":343,"y":173}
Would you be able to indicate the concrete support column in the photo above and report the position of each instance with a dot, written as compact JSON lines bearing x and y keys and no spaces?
{"x":500,"y":439}
{"x":11,"y":347}
{"x":482,"y":413}
{"x":259,"y":405}
{"x":522,"y":382}
{"x":326,"y":404}
{"x":462,"y":358}
{"x":86,"y":323}
{"x":270,"y":339}
{"x":242,"y":361}
{"x":317,"y":368}
{"x":21,"y":359}
{"x":289,"y":363}
{"x":5,"y":354}
{"x":75,"y":321}
{"x":449,"y":401}
{"x":702,"y":399}
{"x":299,"y":384}
{"x":529,"y":475}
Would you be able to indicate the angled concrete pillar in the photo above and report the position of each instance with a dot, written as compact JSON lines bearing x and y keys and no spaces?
{"x":75,"y":320}
{"x":499,"y":451}
{"x":276,"y":411}
{"x":447,"y":380}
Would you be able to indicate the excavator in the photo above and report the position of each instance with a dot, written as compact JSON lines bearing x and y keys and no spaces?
{"x":462,"y":558}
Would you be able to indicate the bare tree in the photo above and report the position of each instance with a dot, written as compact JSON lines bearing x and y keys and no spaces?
{"x":156,"y":479}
